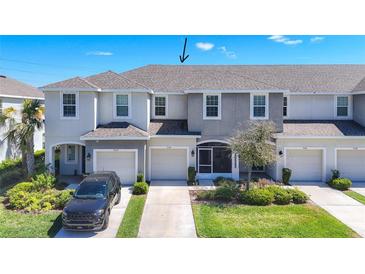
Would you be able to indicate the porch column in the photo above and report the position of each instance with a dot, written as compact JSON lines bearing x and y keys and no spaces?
{"x":235,"y":167}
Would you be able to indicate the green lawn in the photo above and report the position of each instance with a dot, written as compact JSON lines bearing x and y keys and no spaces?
{"x":291,"y":221}
{"x":132,"y":217}
{"x":20,"y":225}
{"x":354,"y":195}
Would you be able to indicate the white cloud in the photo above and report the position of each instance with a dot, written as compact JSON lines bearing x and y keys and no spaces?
{"x":99,"y":53}
{"x":204,"y":46}
{"x":316,"y":39}
{"x":285,"y":40}
{"x":229,"y":54}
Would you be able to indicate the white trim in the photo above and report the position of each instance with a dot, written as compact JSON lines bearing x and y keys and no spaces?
{"x":69,"y":89}
{"x":320,"y":93}
{"x":233,"y":91}
{"x":287,"y":106}
{"x":77,"y":105}
{"x":50,"y":153}
{"x":95,"y":112}
{"x":252,"y":95}
{"x":67,"y":162}
{"x":127,"y":90}
{"x":357,"y":92}
{"x":154,"y":106}
{"x":205,"y":117}
{"x":21,"y":97}
{"x":349,"y":108}
{"x":345,"y":148}
{"x":212,"y":141}
{"x":117,"y":150}
{"x":324,"y":154}
{"x":158,"y":93}
{"x":115,"y":106}
{"x":175,"y":136}
{"x":112,"y":138}
{"x":166,"y":147}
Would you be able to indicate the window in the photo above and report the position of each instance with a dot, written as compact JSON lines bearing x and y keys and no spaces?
{"x":71,"y":154}
{"x":212,"y":109}
{"x":259,"y":109}
{"x":69,"y":105}
{"x":342,"y":106}
{"x":285,"y":106}
{"x":122,"y":102}
{"x":160,"y":105}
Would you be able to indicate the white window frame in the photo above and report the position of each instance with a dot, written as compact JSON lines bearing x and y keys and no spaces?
{"x":205,"y":117}
{"x":348,"y":107}
{"x":154,"y":106}
{"x":252,"y":117}
{"x":76,"y":154}
{"x":287,"y":106}
{"x":77,"y":105}
{"x":115,"y":105}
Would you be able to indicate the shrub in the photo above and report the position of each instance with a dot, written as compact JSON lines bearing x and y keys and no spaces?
{"x":340,"y":183}
{"x":281,"y":195}
{"x":140,"y":177}
{"x":11,"y":176}
{"x":298,"y":197}
{"x":205,"y":195}
{"x":223,"y":181}
{"x":191,"y":175}
{"x":256,"y":196}
{"x":140,"y":188}
{"x":263,"y":182}
{"x":63,"y":197}
{"x":286,"y":175}
{"x":24,"y":186}
{"x":224,"y":193}
{"x":43,"y":181}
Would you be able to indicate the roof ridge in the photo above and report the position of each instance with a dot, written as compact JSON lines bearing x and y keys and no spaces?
{"x":126,"y":78}
{"x":88,"y":82}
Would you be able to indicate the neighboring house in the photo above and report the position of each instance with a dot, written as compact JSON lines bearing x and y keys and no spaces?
{"x":161,"y":119}
{"x":12,"y":94}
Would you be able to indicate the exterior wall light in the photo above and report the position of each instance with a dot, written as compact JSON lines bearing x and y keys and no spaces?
{"x":193,"y":153}
{"x":88,"y":156}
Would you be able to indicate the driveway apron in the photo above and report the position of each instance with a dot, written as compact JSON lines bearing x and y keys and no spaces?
{"x":115,"y":218}
{"x":167,"y":211}
{"x":338,"y":204}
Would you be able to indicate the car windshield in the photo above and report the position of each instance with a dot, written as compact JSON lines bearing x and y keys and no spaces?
{"x":91,"y":190}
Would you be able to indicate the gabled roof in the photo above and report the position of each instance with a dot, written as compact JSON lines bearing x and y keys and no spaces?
{"x":108,"y":80}
{"x":12,"y":88}
{"x":294,"y":78}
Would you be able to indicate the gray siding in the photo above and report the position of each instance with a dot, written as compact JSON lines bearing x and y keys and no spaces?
{"x":177,"y":107}
{"x":235,"y":114}
{"x":359,"y":108}
{"x":140,"y":145}
{"x":139,"y":109}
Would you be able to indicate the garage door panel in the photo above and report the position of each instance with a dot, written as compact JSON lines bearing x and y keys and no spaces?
{"x":351,"y":164}
{"x":122,"y":162}
{"x":306,"y":165}
{"x":168,"y":164}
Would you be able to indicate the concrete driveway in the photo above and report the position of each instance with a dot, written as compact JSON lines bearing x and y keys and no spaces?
{"x":167,"y":211}
{"x":115,"y":219}
{"x":344,"y":208}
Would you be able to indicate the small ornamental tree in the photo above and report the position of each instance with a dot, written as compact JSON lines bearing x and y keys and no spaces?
{"x":254,"y":146}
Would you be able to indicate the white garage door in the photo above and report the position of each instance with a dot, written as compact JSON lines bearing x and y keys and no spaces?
{"x":122,"y":162}
{"x":351,"y":164}
{"x":168,"y":164}
{"x":306,"y":165}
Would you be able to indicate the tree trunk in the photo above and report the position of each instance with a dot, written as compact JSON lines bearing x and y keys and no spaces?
{"x":248,"y":178}
{"x":30,"y":156}
{"x":24,"y":160}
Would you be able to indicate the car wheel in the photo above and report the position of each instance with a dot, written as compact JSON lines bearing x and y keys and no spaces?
{"x":106,"y":221}
{"x":119,"y":198}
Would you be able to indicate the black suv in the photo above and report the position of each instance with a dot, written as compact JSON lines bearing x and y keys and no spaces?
{"x":90,"y":207}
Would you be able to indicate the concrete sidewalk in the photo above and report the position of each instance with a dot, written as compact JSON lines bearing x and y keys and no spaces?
{"x":359,"y":188}
{"x":168,"y":211}
{"x":338,"y":204}
{"x":115,"y":219}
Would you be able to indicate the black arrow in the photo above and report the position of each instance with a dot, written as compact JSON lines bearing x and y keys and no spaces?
{"x":183,"y":58}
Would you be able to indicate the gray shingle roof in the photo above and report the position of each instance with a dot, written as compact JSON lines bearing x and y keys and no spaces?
{"x":12,"y":87}
{"x":115,"y":130}
{"x":104,"y":80}
{"x":296,"y":78}
{"x":322,"y":128}
{"x":170,"y":127}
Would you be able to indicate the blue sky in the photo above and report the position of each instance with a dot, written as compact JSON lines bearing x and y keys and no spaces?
{"x":39,"y":60}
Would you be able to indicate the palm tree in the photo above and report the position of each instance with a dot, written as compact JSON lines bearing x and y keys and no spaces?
{"x":20,"y":132}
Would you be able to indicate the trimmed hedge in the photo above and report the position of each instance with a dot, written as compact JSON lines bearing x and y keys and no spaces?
{"x":340,"y":183}
{"x":140,"y":188}
{"x":281,"y":195}
{"x":205,"y":195}
{"x":298,"y":197}
{"x":224,"y":193}
{"x":257,"y":196}
{"x":224,"y":182}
